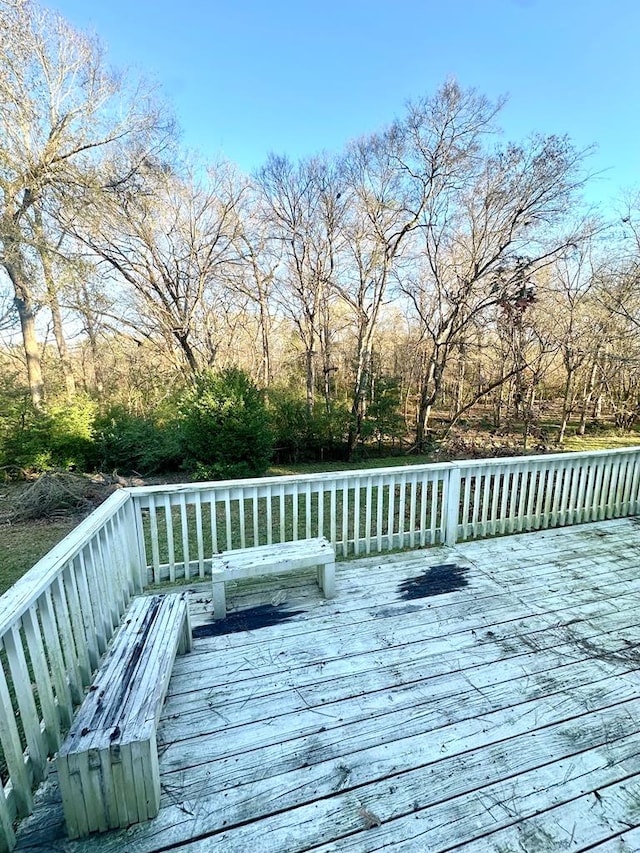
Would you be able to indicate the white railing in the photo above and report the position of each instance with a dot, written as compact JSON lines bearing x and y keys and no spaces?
{"x":363,"y":512}
{"x":56,"y":622}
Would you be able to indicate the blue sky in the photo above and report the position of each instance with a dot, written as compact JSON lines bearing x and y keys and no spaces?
{"x":248,"y":77}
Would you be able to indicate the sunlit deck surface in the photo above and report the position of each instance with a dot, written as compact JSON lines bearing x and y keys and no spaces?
{"x":484,"y":697}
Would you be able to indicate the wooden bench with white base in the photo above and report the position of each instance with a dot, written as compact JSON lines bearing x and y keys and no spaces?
{"x":273,"y":559}
{"x":108,"y":765}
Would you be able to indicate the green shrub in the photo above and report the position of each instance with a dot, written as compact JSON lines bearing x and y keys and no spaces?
{"x":301,"y":435}
{"x":58,"y":436}
{"x":127,"y":442}
{"x":384,"y":421}
{"x":225,"y":425}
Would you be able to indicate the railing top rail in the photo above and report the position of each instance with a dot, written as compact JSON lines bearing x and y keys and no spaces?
{"x":541,"y":458}
{"x":325,"y":476}
{"x":27,"y":589}
{"x":213,"y":485}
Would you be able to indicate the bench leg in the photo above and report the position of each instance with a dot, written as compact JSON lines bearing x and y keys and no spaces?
{"x":185,"y":644}
{"x":326,"y":579}
{"x":219,"y":600}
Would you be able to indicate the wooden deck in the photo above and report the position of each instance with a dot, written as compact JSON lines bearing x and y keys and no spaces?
{"x":490,"y":705}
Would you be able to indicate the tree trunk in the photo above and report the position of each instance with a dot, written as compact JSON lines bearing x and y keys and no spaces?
{"x":54,"y":307}
{"x":430,"y":390}
{"x":265,"y":330}
{"x":566,"y":406}
{"x":23,"y":301}
{"x":588,"y":394}
{"x":359,"y":388}
{"x":24,"y":306}
{"x":90,"y":327}
{"x":428,"y":396}
{"x":61,"y":343}
{"x":310,"y":379}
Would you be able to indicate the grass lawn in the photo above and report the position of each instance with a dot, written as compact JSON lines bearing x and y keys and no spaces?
{"x":604,"y":441}
{"x":22,"y":545}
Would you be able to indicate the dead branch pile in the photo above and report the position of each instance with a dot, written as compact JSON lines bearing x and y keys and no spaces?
{"x":59,"y":494}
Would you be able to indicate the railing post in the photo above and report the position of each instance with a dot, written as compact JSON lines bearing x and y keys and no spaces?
{"x":135,"y":545}
{"x":452,"y":505}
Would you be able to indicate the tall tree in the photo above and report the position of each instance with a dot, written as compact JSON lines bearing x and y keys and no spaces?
{"x":491,"y":219}
{"x":379,"y":218}
{"x":61,"y":109}
{"x":302,"y":204}
{"x":171,"y":240}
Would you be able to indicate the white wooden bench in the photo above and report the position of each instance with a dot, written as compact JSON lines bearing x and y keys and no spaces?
{"x":108,"y":765}
{"x":273,"y":559}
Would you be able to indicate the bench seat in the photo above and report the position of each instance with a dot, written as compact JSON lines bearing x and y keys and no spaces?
{"x":108,"y":765}
{"x":273,"y":559}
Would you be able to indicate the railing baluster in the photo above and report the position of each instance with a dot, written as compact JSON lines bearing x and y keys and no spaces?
{"x":307,"y":505}
{"x":513,"y":497}
{"x":531,"y":495}
{"x":345,"y":518}
{"x":402,"y":500}
{"x":171,"y":546}
{"x":6,"y":823}
{"x":452,"y":506}
{"x":256,"y":525}
{"x":153,"y":532}
{"x":214,"y":523}
{"x":390,"y":512}
{"x":504,"y":498}
{"x":269,"y":499}
{"x":295,"y":498}
{"x":356,"y":518}
{"x":578,"y":515}
{"x":495,"y":499}
{"x":476,"y":494}
{"x":12,"y":748}
{"x":628,"y":482}
{"x":379,"y":509}
{"x":184,"y":530}
{"x":69,"y":653}
{"x":29,"y":716}
{"x":42,"y":679}
{"x":199,"y":538}
{"x":413,"y":500}
{"x":634,"y":506}
{"x":611,"y":496}
{"x":56,"y":659}
{"x":597,"y":491}
{"x":426,"y":485}
{"x":81,"y":642}
{"x":332,"y":511}
{"x":282,"y":505}
{"x":320,"y":509}
{"x":466,"y":500}
{"x":368,"y":513}
{"x":89,"y":585}
{"x":96,"y":642}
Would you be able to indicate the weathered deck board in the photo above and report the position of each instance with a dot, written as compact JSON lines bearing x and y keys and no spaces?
{"x":502,"y":715}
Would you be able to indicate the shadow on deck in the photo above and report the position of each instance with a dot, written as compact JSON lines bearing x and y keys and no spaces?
{"x":477,"y":698}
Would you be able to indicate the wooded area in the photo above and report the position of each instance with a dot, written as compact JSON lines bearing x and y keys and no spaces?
{"x":376,"y":294}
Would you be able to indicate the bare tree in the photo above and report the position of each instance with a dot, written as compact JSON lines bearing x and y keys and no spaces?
{"x":379,"y":218}
{"x":170,"y":239}
{"x":254,"y":276}
{"x":60,"y":110}
{"x":486,"y":232}
{"x":303,"y":204}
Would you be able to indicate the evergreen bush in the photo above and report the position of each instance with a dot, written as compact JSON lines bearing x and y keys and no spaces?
{"x":226,"y":431}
